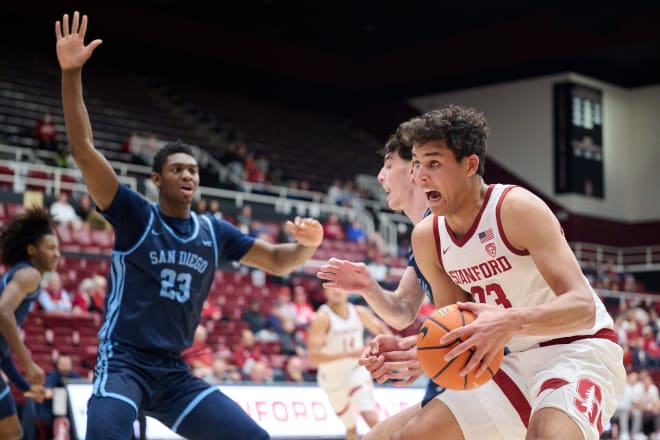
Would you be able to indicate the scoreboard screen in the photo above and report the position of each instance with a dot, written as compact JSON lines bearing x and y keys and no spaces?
{"x":578,"y":138}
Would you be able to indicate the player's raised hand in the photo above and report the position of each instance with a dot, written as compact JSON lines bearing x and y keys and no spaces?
{"x":345,"y":275}
{"x":71,"y":50}
{"x":307,"y":231}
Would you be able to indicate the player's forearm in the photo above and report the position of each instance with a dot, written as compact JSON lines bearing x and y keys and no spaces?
{"x":570,"y":312}
{"x":78,"y":125}
{"x":290,"y":256}
{"x":389,"y":306}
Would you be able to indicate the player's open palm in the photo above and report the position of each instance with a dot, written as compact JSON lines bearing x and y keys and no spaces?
{"x":345,"y":275}
{"x":306,"y":231}
{"x":71,"y":50}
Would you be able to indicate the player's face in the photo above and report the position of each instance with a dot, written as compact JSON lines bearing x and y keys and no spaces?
{"x":45,"y":253}
{"x":179,"y":178}
{"x":396,"y":178}
{"x":443,"y":179}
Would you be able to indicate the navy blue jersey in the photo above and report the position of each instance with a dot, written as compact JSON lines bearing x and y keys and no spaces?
{"x":411,"y":262}
{"x":23,"y":308}
{"x":162,"y":270}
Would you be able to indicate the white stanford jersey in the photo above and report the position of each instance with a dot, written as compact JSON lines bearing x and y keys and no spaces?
{"x":485,"y":264}
{"x":344,"y":335}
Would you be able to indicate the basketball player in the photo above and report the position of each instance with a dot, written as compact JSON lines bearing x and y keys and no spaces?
{"x":501,"y":243}
{"x":163,"y":262}
{"x":29,"y":248}
{"x":335,"y":342}
{"x":400,"y":307}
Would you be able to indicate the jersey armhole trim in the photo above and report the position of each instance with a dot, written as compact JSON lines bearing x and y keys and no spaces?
{"x":500,"y":228}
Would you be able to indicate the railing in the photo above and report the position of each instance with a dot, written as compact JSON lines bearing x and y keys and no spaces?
{"x":52,"y":185}
{"x":625,"y":259}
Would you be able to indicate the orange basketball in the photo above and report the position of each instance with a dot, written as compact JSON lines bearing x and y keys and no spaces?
{"x":431,"y":353}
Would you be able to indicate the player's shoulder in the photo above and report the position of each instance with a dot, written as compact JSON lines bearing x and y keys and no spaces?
{"x":423,"y":228}
{"x":517,"y":200}
{"x":27,"y":277}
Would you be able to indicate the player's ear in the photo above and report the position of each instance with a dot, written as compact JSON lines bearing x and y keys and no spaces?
{"x":472,"y":164}
{"x":155,"y":178}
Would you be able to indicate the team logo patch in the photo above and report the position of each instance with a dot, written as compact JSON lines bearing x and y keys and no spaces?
{"x":491,"y":249}
{"x":588,"y":401}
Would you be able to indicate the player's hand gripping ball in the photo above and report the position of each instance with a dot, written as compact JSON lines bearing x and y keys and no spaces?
{"x":431,"y":353}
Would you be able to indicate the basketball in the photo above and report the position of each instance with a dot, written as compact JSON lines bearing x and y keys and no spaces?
{"x":431,"y":353}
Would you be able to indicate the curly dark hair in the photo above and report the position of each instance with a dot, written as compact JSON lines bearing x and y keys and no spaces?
{"x":169,"y":149}
{"x":395,"y":144}
{"x":25,"y":229}
{"x":463,"y":129}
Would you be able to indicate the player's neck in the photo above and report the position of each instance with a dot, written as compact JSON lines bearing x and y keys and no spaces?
{"x":461,"y":221}
{"x":174,"y":210}
{"x":339,"y":309}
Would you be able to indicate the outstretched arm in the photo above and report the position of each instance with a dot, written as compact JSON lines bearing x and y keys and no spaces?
{"x":72,"y":54}
{"x":281,"y":259}
{"x":398,"y":308}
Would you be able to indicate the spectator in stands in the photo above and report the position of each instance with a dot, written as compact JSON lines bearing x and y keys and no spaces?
{"x":200,"y":354}
{"x":296,"y":372}
{"x":244,"y":218}
{"x":286,"y":307}
{"x":622,"y":414}
{"x":246,"y":351}
{"x":332,"y":229}
{"x":222,"y":372}
{"x":293,"y":342}
{"x":304,"y":310}
{"x":212,"y":311}
{"x":54,"y":297}
{"x":260,"y":372}
{"x":97,"y":305}
{"x":355,"y":232}
{"x":57,"y":378}
{"x":335,"y":193}
{"x":81,"y":301}
{"x":28,"y":249}
{"x":283,"y":235}
{"x":46,"y":133}
{"x":62,"y":157}
{"x":201,"y":207}
{"x":214,"y":209}
{"x":86,"y":210}
{"x":646,"y":406}
{"x":64,"y":213}
{"x":254,"y":317}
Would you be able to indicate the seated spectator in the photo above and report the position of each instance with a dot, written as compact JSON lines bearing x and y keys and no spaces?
{"x":82,"y":298}
{"x":295,"y":371}
{"x":283,"y":234}
{"x":335,"y":193}
{"x":244,"y":218}
{"x":214,"y":209}
{"x":355,"y":232}
{"x":62,"y":157}
{"x":304,"y":310}
{"x":260,"y":372}
{"x":45,"y":133}
{"x":332,"y":229}
{"x":55,"y":379}
{"x":246,"y":352}
{"x":212,"y":311}
{"x":53,"y":297}
{"x":200,"y":354}
{"x":293,"y":342}
{"x":222,"y":372}
{"x":64,"y":213}
{"x":201,"y":207}
{"x":86,"y":210}
{"x":286,"y":307}
{"x":98,"y":295}
{"x":254,"y":317}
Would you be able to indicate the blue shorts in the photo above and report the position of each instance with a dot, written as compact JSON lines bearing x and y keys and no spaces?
{"x":161,"y":386}
{"x":432,"y":390}
{"x":7,"y":404}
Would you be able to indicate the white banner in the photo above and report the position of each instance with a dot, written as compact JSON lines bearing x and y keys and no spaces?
{"x":291,"y":412}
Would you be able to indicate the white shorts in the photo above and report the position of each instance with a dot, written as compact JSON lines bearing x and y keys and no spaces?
{"x":356,"y":390}
{"x":584,"y":379}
